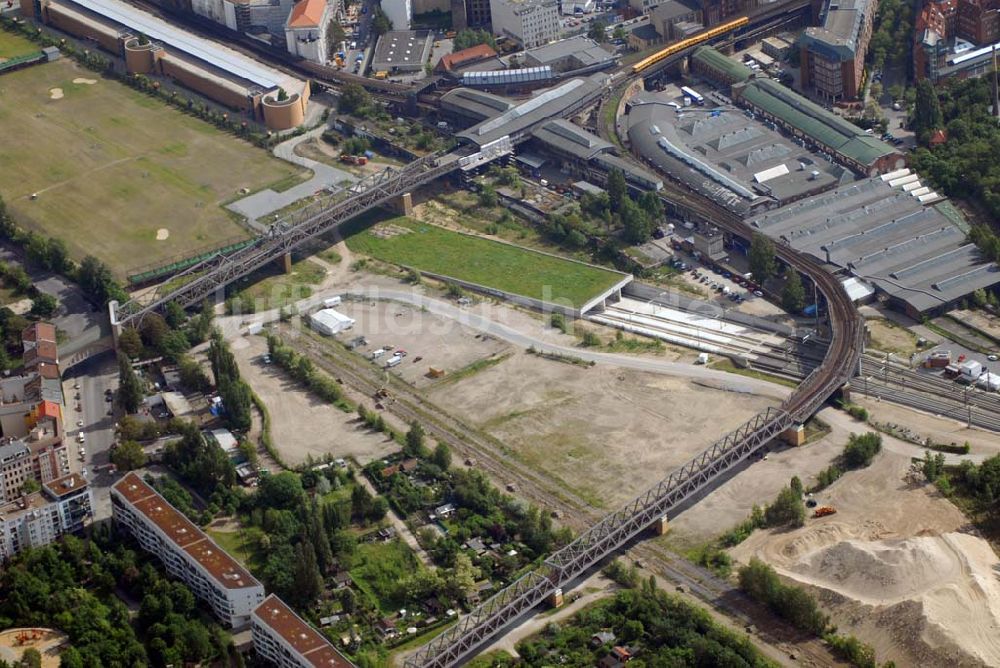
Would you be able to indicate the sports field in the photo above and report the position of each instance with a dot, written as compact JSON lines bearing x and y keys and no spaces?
{"x":119,"y":175}
{"x":12,"y":46}
{"x":492,"y":264}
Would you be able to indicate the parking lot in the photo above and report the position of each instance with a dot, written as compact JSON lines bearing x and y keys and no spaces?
{"x":422,"y":343}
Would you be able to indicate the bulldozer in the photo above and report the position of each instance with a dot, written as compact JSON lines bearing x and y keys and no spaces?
{"x":823,"y":511}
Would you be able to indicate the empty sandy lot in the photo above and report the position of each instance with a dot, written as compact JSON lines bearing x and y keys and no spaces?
{"x":605,"y":433}
{"x":301,"y":424}
{"x":896,"y":567}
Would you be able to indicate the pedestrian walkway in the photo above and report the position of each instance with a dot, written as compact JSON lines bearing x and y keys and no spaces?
{"x":256,"y":207}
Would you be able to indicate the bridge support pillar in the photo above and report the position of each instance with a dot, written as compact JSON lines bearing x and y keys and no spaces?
{"x":286,"y":263}
{"x":116,"y":327}
{"x":794,"y":435}
{"x":661,"y":526}
{"x":844,"y":393}
{"x":555,"y":599}
{"x":403,"y":205}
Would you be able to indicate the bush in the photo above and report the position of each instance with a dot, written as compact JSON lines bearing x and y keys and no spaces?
{"x":793,"y":604}
{"x":859,"y":413}
{"x":590,"y":340}
{"x":860,"y":450}
{"x":558,"y":321}
{"x":852,"y":650}
{"x":787,"y":510}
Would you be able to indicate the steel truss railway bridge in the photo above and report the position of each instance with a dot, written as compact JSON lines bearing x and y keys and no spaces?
{"x":209,"y":278}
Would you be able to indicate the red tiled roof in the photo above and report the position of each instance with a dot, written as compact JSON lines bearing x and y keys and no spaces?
{"x":48,"y":409}
{"x":184,"y":533}
{"x":307,"y":14}
{"x":473,"y":53}
{"x":39,"y":331}
{"x":306,"y":640}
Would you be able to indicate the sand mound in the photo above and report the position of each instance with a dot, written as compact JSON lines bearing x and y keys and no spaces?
{"x":162,"y":234}
{"x":55,"y":93}
{"x":951,"y":576}
{"x":86,"y":82}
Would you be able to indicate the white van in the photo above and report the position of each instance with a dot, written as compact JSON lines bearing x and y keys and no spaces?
{"x":80,"y":438}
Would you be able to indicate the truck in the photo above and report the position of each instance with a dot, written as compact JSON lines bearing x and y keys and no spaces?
{"x":353,"y":159}
{"x":989,"y":382}
{"x":332,"y":301}
{"x":970,"y":369}
{"x":381,"y":74}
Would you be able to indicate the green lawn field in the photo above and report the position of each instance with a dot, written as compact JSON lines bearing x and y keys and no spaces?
{"x":119,"y":175}
{"x":489,"y":263}
{"x":12,"y":46}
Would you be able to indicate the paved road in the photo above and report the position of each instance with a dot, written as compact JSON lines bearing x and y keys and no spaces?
{"x":90,"y":379}
{"x":721,"y":379}
{"x":261,"y":204}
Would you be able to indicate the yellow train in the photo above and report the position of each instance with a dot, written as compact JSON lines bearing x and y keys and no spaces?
{"x":695,"y":40}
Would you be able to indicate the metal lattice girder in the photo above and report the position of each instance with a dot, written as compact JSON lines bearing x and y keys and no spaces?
{"x":624,"y":524}
{"x":215,"y":273}
{"x":605,"y":537}
{"x":482,"y":623}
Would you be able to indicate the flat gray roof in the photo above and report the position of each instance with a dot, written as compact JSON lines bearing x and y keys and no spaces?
{"x":204,"y":50}
{"x":837,"y":38}
{"x":722,"y":153}
{"x":565,"y":136}
{"x":910,"y":251}
{"x":582,"y":48}
{"x":474,"y":103}
{"x":547,"y":104}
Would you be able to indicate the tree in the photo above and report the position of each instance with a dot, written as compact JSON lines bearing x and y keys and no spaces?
{"x":130,"y":343}
{"x":488,"y":196}
{"x":933,"y":465}
{"x":380,"y":22}
{"x":598,"y":32}
{"x":617,"y":189}
{"x":860,"y":450}
{"x":98,"y":282}
{"x":353,"y":99}
{"x":927,"y":115}
{"x":238,"y":402}
{"x":31,"y":658}
{"x":462,"y":579}
{"x":762,"y":262}
{"x":306,"y":579}
{"x":415,"y":441}
{"x":652,"y":205}
{"x":281,"y":491}
{"x":793,"y":297}
{"x":636,"y":223}
{"x":175,"y":315}
{"x":128,"y":456}
{"x":787,"y":509}
{"x":193,"y":376}
{"x":44,"y":305}
{"x":442,"y":456}
{"x":130,"y":389}
{"x":468,"y":38}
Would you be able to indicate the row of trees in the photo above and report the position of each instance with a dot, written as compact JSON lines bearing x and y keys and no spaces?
{"x":303,"y":370}
{"x":169,"y":335}
{"x":237,"y":399}
{"x":858,"y":453}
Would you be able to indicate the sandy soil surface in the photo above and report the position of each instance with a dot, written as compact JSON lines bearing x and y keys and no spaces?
{"x":301,"y":424}
{"x":606,"y":433}
{"x":980,"y":319}
{"x":939,"y":429}
{"x":440,"y":343}
{"x":896,"y":567}
{"x":887,"y":336}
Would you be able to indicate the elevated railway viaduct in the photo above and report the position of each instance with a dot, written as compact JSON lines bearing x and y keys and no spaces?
{"x":209,"y":278}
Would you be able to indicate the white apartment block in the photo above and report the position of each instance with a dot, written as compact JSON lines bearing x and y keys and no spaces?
{"x":399,"y":13}
{"x":186,"y":551}
{"x":287,"y":641}
{"x":531,"y":23}
{"x":305,"y":32}
{"x":63,"y":506}
{"x":244,"y":15}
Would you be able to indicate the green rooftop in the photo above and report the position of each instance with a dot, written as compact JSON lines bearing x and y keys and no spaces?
{"x":824,"y":127}
{"x":717,"y":61}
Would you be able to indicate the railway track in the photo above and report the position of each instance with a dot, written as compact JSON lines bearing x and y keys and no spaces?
{"x":549,"y":494}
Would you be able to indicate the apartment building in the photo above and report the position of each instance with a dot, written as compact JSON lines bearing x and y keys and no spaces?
{"x":187,"y":553}
{"x":287,"y":641}
{"x":470,"y":14}
{"x":63,"y":506}
{"x":399,"y":13}
{"x":833,"y":55}
{"x":979,"y":21}
{"x":305,"y":31}
{"x":531,"y":23}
